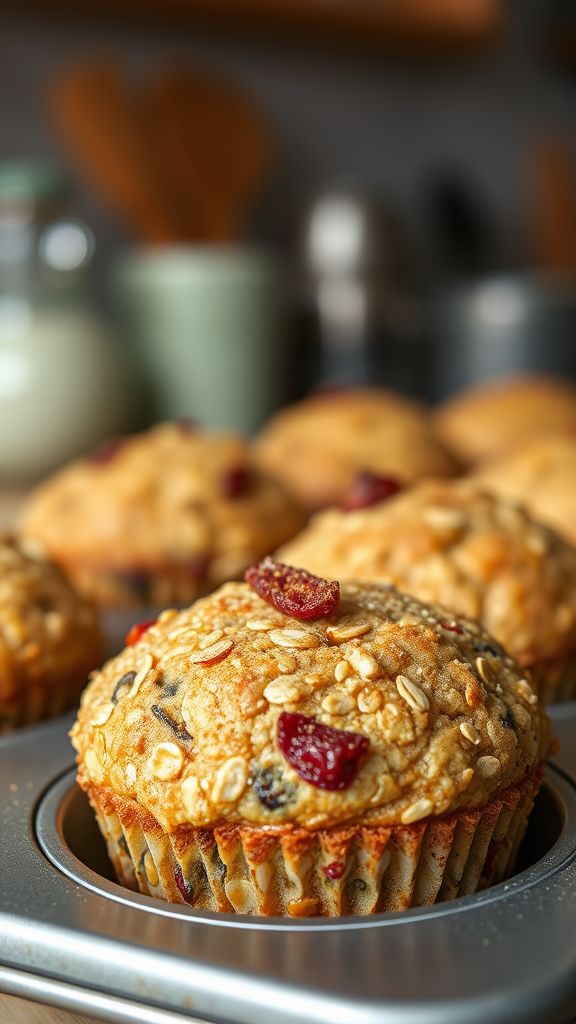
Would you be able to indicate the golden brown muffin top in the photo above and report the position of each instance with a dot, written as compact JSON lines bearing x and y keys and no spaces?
{"x":214,"y":714}
{"x":318,"y":445}
{"x":541,"y":475}
{"x":46,"y":630}
{"x":452,"y":544}
{"x":173,"y":495}
{"x":493,"y":418}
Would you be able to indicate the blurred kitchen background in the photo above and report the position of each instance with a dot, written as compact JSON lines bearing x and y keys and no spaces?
{"x":211,"y":207}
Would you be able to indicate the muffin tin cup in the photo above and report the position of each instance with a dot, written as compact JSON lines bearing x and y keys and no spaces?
{"x":70,"y":935}
{"x":287,"y":871}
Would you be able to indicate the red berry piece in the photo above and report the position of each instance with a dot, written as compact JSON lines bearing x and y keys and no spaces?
{"x":334,"y":870}
{"x":293,"y":591}
{"x":234,"y":481}
{"x":133,"y":635}
{"x":107,"y":452}
{"x":369,"y":489}
{"x":324,"y":757}
{"x":452,"y":627}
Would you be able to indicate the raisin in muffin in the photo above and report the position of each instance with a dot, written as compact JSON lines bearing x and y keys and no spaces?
{"x":49,"y":638}
{"x":541,"y":475}
{"x":451,"y":543}
{"x":317,"y":446}
{"x":160,"y":517}
{"x":297,"y":746}
{"x":495,"y":417}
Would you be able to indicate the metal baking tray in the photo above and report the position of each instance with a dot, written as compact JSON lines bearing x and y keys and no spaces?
{"x":71,"y":936}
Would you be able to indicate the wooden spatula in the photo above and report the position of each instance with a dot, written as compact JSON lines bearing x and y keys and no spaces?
{"x":215,"y":148}
{"x":99,"y":117}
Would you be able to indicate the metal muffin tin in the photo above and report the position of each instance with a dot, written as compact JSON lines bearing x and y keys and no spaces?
{"x":71,"y":936}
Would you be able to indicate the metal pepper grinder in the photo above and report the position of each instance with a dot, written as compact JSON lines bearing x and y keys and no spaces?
{"x":360,"y":303}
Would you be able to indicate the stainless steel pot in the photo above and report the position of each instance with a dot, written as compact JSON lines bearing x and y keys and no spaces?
{"x":501,"y":325}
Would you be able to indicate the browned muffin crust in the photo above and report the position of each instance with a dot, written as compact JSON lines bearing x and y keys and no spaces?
{"x":160,"y":518}
{"x":317,"y":446}
{"x":449,"y":542}
{"x":185,"y":721}
{"x":541,"y":475}
{"x":49,"y":637}
{"x":493,"y":418}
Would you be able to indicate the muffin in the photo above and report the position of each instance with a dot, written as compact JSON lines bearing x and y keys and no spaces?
{"x":49,"y":638}
{"x":317,"y":446}
{"x":160,"y":517}
{"x":541,"y":475}
{"x":299,"y":747}
{"x":495,"y":417}
{"x":450,"y":543}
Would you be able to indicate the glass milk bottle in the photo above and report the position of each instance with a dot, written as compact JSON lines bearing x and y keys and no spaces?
{"x":63,"y":388}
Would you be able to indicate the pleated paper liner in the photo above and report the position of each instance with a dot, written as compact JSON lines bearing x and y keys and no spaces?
{"x":289,"y":871}
{"x":555,"y":680}
{"x":37,"y":700}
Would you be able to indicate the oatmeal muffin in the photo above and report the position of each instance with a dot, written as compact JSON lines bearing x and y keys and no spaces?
{"x":497,"y":416}
{"x":295,"y":746}
{"x":452,"y":544}
{"x":49,"y":638}
{"x":317,"y":446}
{"x":541,"y":475}
{"x":160,"y":517}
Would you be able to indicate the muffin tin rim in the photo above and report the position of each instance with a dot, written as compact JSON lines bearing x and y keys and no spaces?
{"x":57,"y":929}
{"x":48,"y":831}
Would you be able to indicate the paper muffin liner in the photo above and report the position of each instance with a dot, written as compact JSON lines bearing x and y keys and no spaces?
{"x":290,"y":871}
{"x":555,"y":680}
{"x":35,"y":700}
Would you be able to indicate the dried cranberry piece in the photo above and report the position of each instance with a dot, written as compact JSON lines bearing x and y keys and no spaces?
{"x":234,"y":481}
{"x":293,"y":591}
{"x":107,"y":452}
{"x":369,"y":489}
{"x":138,"y":629}
{"x":184,"y":888}
{"x":334,"y":870}
{"x":323,"y":756}
{"x":452,"y":627}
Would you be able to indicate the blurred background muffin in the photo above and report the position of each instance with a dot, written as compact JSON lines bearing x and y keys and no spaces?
{"x":541,"y":475}
{"x":160,"y":517}
{"x":298,"y":747}
{"x":474,"y":554}
{"x":49,"y":637}
{"x":318,"y":446}
{"x":493,"y":418}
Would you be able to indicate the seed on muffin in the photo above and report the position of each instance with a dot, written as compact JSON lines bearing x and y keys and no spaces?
{"x":470,"y":732}
{"x":213,"y":654}
{"x":412,"y":694}
{"x":166,"y":761}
